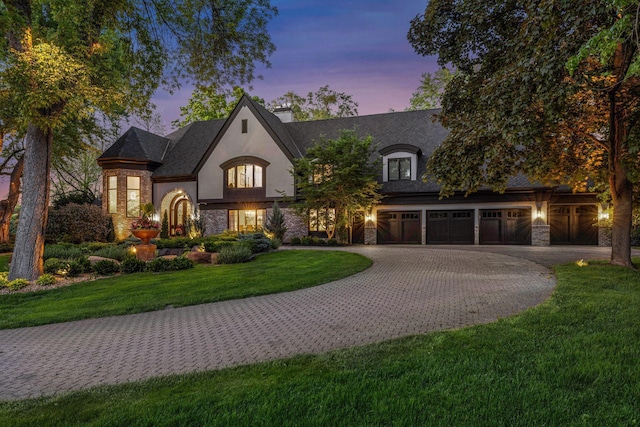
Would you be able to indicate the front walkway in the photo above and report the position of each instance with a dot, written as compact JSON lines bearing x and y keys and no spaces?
{"x":408,"y":290}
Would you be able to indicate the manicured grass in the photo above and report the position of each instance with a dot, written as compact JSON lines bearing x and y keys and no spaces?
{"x":4,"y":262}
{"x":571,"y":361}
{"x":134,"y":293}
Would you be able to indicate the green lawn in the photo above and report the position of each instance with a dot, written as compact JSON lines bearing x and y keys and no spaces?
{"x":571,"y":361}
{"x":279,"y":271}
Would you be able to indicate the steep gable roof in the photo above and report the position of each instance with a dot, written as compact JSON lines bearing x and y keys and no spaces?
{"x":188,"y":146}
{"x":139,"y":145}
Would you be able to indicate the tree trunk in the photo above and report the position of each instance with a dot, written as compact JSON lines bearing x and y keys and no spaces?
{"x":8,"y":206}
{"x":29,"y":247}
{"x":621,"y":229}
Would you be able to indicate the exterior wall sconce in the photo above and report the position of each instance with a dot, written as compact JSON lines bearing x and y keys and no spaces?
{"x":604,"y":215}
{"x":368,"y":217}
{"x":538,"y":214}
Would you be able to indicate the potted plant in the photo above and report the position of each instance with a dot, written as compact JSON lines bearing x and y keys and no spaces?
{"x":145,"y":228}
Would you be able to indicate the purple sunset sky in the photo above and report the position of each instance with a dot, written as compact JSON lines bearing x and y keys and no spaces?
{"x":358,"y":47}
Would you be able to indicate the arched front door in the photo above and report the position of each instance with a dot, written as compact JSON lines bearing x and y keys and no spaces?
{"x":177,"y":206}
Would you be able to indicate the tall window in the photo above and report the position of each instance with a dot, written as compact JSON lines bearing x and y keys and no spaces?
{"x":244,"y":176}
{"x":133,"y":196}
{"x":247,"y":220}
{"x":112,"y":194}
{"x":399,"y":169}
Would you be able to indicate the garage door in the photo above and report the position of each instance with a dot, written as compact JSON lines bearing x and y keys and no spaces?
{"x":450,"y":227}
{"x":573,"y":225}
{"x":399,"y":227}
{"x":505,"y":226}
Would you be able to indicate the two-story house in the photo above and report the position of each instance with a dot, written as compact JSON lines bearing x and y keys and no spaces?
{"x":232,"y":170}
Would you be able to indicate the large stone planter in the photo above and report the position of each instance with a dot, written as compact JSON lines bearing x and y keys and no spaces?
{"x":145,"y":251}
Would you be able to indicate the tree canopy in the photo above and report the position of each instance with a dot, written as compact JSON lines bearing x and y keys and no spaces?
{"x":514,"y":107}
{"x":207,"y":103}
{"x":62,"y":61}
{"x":325,"y":103}
{"x":429,"y":93}
{"x":335,"y":180}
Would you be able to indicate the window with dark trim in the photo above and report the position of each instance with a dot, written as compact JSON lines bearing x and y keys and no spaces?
{"x":320,"y":218}
{"x":244,"y":176}
{"x":245,"y":125}
{"x":112,"y":194}
{"x":247,"y":220}
{"x":399,"y":169}
{"x":133,"y":196}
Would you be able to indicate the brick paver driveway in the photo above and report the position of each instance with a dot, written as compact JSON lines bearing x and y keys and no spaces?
{"x":408,"y":290}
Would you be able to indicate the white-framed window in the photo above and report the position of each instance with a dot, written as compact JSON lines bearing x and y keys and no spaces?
{"x":399,"y":168}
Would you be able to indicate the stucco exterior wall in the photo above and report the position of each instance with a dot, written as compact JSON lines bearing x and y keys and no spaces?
{"x":256,"y":142}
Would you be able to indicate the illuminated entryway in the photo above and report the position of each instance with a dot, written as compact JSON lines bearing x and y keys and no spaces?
{"x":178,"y":207}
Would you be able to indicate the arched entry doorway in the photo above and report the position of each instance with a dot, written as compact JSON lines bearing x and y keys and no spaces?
{"x":178,"y":207}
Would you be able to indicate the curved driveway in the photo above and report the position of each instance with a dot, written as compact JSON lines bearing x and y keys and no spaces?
{"x":408,"y":290}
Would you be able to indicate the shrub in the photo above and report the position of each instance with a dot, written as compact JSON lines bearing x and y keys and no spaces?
{"x":119,"y":252}
{"x":4,"y":279}
{"x":275,"y":243}
{"x":216,"y":246}
{"x":159,"y":264}
{"x":105,"y":267}
{"x":133,"y":265}
{"x":181,"y":263}
{"x":196,"y":226}
{"x":234,"y":255}
{"x":332,"y":242}
{"x":46,"y":280}
{"x":164,"y":228}
{"x":296,"y":241}
{"x":74,"y":268}
{"x":17,"y":284}
{"x":176,"y":243}
{"x":307,"y":241}
{"x":6,"y":247}
{"x":62,"y":251}
{"x":257,"y":242}
{"x":84,"y":263}
{"x":52,"y":265}
{"x":79,"y":223}
{"x":276,"y":222}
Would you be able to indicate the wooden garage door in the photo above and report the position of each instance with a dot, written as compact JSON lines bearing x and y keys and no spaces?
{"x":573,"y":225}
{"x":450,"y":227}
{"x":399,"y":227}
{"x":505,"y":226}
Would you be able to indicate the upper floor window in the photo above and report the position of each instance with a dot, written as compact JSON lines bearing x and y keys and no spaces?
{"x":133,"y":196}
{"x":244,"y":176}
{"x":400,"y":162}
{"x":399,"y":169}
{"x":112,"y":194}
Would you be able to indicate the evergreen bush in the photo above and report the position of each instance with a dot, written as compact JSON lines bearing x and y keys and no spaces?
{"x":106,"y":267}
{"x":234,"y":255}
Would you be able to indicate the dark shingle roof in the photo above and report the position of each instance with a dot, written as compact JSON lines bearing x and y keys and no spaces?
{"x":137,"y":144}
{"x":188,"y":146}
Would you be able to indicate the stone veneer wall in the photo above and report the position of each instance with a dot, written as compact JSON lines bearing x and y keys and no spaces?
{"x":296,"y":226}
{"x":540,"y":235}
{"x":122,"y":223}
{"x":215,"y":220}
{"x":371,"y":233}
{"x":604,"y":236}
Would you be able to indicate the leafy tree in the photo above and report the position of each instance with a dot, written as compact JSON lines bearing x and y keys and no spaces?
{"x":335,"y":180}
{"x":61,"y":61}
{"x":429,"y":93}
{"x":276,"y":223}
{"x":207,"y":103}
{"x":513,"y":105}
{"x":325,"y":103}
